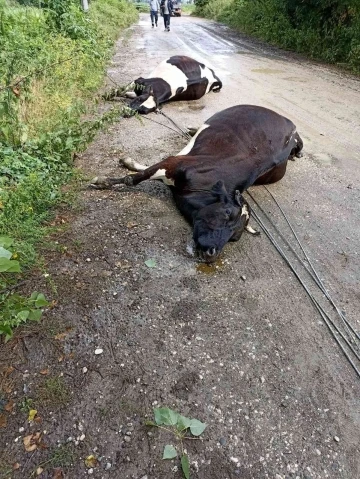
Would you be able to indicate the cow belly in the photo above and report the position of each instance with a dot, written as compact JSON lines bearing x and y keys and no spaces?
{"x":172,"y":75}
{"x":193,"y":92}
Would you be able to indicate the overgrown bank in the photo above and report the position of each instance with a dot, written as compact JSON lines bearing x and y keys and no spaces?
{"x":52,"y":59}
{"x":328,"y":30}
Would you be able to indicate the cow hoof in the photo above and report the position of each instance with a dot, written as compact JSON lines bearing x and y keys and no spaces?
{"x":100,"y":183}
{"x":192,"y":131}
{"x":251,"y":230}
{"x":299,"y":155}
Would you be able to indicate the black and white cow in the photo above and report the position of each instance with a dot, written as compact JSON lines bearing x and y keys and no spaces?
{"x":179,"y":78}
{"x":238,"y":147}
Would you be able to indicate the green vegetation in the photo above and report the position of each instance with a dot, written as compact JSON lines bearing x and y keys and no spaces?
{"x":328,"y":30}
{"x":52,"y":60}
{"x":180,"y":427}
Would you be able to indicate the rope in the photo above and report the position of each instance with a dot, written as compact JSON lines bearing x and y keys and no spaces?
{"x":333,"y":328}
{"x":184,"y":133}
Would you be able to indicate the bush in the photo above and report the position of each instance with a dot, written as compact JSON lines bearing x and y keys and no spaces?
{"x":325,"y":29}
{"x":52,"y":60}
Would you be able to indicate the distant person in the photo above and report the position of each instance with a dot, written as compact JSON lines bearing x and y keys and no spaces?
{"x":166,"y":8}
{"x":154,"y":11}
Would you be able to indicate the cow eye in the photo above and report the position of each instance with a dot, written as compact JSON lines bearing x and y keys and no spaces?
{"x":228,"y":213}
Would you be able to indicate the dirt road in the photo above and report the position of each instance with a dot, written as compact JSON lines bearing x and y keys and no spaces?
{"x":239,"y":346}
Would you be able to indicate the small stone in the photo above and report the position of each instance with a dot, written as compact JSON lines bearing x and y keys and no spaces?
{"x":85,"y":369}
{"x":108,"y":466}
{"x":99,"y":351}
{"x":127,"y":439}
{"x":318,"y":452}
{"x":21,"y":429}
{"x":243,"y":277}
{"x":90,"y":471}
{"x":82,"y":437}
{"x":88,"y":260}
{"x":222,"y":441}
{"x":335,"y":438}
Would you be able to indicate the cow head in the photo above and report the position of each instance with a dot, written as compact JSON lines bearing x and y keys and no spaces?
{"x":145,"y":101}
{"x":219,"y":222}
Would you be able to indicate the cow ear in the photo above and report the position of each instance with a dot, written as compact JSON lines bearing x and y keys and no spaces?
{"x":219,"y":190}
{"x":239,"y":200}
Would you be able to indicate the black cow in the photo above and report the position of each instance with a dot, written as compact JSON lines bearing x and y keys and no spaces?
{"x":238,"y":147}
{"x":178,"y":78}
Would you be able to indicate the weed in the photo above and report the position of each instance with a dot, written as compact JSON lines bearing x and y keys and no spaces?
{"x":26,"y":405}
{"x":54,"y":392}
{"x":63,"y":456}
{"x":179,"y":426}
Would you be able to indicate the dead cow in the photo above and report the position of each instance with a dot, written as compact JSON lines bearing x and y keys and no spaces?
{"x":179,"y":78}
{"x":238,"y":147}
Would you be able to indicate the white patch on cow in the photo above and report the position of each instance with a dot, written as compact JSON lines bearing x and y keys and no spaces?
{"x":251,"y":230}
{"x":149,"y":103}
{"x":189,"y":146}
{"x":161,"y":175}
{"x":245,"y":211}
{"x":133,"y":165}
{"x":207,"y":73}
{"x":130,"y":94}
{"x":171,"y":74}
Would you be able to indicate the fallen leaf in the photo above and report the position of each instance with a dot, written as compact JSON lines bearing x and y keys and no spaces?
{"x":32,"y":414}
{"x":9,"y":406}
{"x":91,"y":461}
{"x":39,"y":470}
{"x":45,"y":372}
{"x":150,"y":263}
{"x":131,"y":224}
{"x":8,"y":371}
{"x":3,"y":420}
{"x":16,"y":466}
{"x":37,"y":419}
{"x":62,"y":335}
{"x":31,"y":442}
{"x":58,"y":473}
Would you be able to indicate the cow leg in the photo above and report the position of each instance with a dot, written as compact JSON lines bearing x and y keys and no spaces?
{"x":273,"y":175}
{"x":299,"y":146}
{"x":155,"y":172}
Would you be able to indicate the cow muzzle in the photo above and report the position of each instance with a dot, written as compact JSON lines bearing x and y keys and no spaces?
{"x":209,"y":255}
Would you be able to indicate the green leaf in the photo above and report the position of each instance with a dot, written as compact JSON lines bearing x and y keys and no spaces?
{"x":6,"y":329}
{"x":35,"y":315}
{"x":41,"y":301}
{"x":166,"y":416}
{"x":4,"y":253}
{"x":150,"y":423}
{"x":183,"y":423}
{"x":150,"y":263}
{"x":9,"y":266}
{"x":185,"y":466}
{"x":23,"y":315}
{"x":6,"y":241}
{"x":197,"y":427}
{"x":169,"y":452}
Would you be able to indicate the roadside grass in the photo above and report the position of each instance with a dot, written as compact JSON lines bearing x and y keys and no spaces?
{"x":52,"y":63}
{"x":54,"y":392}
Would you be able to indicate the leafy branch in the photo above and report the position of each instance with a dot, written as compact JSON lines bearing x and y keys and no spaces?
{"x":180,"y":427}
